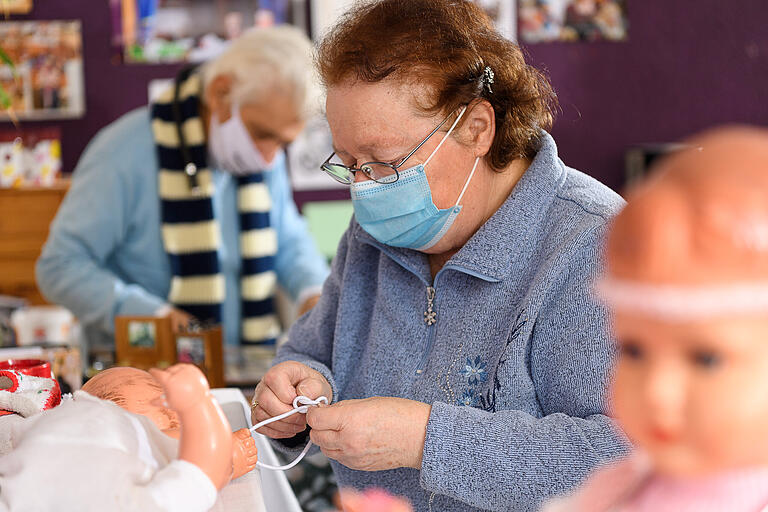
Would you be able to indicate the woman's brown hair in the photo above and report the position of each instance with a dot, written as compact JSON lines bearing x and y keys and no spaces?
{"x":446,"y":45}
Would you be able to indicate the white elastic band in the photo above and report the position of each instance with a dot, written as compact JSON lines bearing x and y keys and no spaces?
{"x":445,"y":137}
{"x":677,"y":301}
{"x":466,"y":184}
{"x":306,"y":403}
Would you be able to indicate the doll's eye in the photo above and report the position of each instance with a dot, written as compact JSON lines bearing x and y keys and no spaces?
{"x":631,"y":350}
{"x":705,"y":359}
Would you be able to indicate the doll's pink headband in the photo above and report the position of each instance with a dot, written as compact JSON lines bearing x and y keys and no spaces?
{"x":680,"y":302}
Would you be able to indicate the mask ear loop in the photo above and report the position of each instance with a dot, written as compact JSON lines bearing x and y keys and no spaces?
{"x":463,"y":109}
{"x":303,"y":408}
{"x":477,"y":161}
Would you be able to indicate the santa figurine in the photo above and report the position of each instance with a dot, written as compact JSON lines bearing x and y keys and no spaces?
{"x":114,"y":447}
{"x":687,"y":283}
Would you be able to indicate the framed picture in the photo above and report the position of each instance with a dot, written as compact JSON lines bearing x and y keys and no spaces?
{"x":150,"y":342}
{"x":144,"y":342}
{"x":325,"y":14}
{"x":15,"y":6}
{"x":307,"y":153}
{"x":503,"y":14}
{"x":572,"y":20}
{"x":30,"y":156}
{"x":187,"y":30}
{"x":47,"y":81}
{"x":203,"y":348}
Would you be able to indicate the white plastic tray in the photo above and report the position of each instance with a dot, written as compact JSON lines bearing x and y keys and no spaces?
{"x":259,"y":490}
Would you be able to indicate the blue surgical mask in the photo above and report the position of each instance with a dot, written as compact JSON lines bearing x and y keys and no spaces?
{"x":402,"y":214}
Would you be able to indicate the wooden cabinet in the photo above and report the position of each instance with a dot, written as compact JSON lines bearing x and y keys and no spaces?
{"x":25,"y":215}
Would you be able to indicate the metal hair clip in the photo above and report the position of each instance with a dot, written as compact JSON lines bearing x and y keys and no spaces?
{"x":487,"y":78}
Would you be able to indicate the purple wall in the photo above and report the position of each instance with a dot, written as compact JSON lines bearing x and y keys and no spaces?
{"x":688,"y":65}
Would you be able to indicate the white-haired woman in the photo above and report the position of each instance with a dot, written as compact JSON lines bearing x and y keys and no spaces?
{"x":183,"y":208}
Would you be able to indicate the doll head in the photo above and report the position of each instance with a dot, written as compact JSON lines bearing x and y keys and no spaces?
{"x":687,"y":283}
{"x":135,"y":391}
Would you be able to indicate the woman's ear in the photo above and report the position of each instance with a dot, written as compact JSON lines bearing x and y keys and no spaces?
{"x":480,"y":127}
{"x":217,"y":97}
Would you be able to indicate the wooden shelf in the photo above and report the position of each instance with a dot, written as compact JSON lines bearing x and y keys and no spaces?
{"x":25,"y":216}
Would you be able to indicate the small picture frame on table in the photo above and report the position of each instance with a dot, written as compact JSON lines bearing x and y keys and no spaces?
{"x":151,"y":342}
{"x":144,"y":342}
{"x":202,"y":346}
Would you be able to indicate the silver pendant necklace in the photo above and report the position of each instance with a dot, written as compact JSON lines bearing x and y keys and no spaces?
{"x":430,"y":316}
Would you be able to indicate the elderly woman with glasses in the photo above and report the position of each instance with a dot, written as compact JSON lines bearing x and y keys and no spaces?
{"x":457,"y":337}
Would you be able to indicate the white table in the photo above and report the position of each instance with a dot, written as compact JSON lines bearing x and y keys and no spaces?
{"x":259,"y":490}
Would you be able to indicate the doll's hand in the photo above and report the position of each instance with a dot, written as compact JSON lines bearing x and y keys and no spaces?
{"x":244,"y":453}
{"x":184,"y":385}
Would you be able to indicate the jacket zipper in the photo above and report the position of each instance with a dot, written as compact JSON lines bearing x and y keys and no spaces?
{"x":430,"y":318}
{"x":430,"y":315}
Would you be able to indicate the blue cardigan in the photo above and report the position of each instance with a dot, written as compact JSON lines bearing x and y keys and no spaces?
{"x":516,"y":365}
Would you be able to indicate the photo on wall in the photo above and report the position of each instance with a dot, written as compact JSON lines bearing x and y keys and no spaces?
{"x":572,"y":20}
{"x":15,"y":6}
{"x":164,"y":31}
{"x":503,"y":14}
{"x":47,"y":79}
{"x":307,"y":153}
{"x":325,"y":13}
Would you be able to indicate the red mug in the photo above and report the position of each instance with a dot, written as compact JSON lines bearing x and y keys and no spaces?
{"x":33,"y":367}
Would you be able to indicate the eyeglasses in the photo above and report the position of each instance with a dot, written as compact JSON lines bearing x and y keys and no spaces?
{"x":380,"y":172}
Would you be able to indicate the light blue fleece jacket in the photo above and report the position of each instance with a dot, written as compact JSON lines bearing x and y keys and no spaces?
{"x":105,"y":257}
{"x":516,"y":365}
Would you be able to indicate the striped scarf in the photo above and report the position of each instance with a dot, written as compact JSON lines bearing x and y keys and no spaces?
{"x":191,"y":234}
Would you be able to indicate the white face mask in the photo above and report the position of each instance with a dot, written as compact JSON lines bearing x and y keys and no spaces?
{"x":232,"y":147}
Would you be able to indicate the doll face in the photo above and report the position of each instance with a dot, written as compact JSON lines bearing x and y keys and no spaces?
{"x":148,"y":401}
{"x":694,"y":395}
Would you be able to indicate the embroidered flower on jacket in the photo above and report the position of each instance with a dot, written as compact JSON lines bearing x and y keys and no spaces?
{"x":474,"y":371}
{"x":469,"y":398}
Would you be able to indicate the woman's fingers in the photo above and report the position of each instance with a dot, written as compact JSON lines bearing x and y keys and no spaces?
{"x":276,"y":434}
{"x":313,"y":387}
{"x":284,"y":428}
{"x":282,"y":381}
{"x":326,"y":439}
{"x":275,"y":395}
{"x":270,"y":406}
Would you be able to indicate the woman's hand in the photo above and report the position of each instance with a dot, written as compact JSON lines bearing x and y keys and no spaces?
{"x":276,"y":391}
{"x":372,"y":434}
{"x":180,"y":320}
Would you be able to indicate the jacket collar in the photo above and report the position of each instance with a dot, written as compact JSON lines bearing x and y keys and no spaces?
{"x":502,"y":246}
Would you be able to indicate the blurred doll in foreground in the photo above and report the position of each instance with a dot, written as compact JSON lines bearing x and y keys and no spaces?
{"x":687,"y":282}
{"x":372,"y":500}
{"x":90,"y":454}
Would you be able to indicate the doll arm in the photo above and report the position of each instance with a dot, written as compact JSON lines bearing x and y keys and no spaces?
{"x":206,"y":438}
{"x":244,"y":451}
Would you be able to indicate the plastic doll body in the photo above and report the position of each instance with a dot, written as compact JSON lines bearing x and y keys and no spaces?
{"x":139,"y":392}
{"x":688,"y":287}
{"x":89,"y":454}
{"x":206,"y":439}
